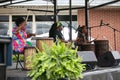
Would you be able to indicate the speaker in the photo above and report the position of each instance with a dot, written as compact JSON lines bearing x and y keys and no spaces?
{"x":89,"y":58}
{"x":2,"y":72}
{"x":109,"y":59}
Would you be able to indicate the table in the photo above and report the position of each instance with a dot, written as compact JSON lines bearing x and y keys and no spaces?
{"x":111,"y":73}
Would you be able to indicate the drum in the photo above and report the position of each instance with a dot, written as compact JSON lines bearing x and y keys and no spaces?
{"x":47,"y":41}
{"x":87,"y":47}
{"x":28,"y":51}
{"x":101,"y":47}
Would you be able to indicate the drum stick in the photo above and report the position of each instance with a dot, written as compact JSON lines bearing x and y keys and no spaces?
{"x":27,"y":16}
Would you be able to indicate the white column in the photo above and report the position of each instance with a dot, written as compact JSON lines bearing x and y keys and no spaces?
{"x":10,"y":25}
{"x":34,"y":24}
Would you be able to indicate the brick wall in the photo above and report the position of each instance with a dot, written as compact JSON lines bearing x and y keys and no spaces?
{"x":111,"y":16}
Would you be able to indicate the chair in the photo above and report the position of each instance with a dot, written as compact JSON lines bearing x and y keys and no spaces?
{"x":17,"y":55}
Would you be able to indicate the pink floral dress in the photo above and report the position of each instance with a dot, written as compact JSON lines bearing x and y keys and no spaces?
{"x":19,"y":40}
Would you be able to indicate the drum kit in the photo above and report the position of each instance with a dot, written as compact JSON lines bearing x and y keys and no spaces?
{"x":30,"y":51}
{"x":100,"y":48}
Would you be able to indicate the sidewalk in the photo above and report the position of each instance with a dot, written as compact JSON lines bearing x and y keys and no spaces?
{"x":16,"y":74}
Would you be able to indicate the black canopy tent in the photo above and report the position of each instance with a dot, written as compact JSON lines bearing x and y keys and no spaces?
{"x":86,"y":13}
{"x":55,"y":11}
{"x":74,"y":8}
{"x":10,"y":2}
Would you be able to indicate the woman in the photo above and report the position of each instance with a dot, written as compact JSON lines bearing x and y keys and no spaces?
{"x":55,"y":32}
{"x":19,"y":35}
{"x":82,"y":35}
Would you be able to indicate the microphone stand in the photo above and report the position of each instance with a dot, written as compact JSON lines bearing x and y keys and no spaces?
{"x":91,"y":28}
{"x":114,"y":30}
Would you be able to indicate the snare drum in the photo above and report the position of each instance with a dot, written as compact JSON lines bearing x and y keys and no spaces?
{"x":28,"y":51}
{"x":87,"y":47}
{"x":101,"y":47}
{"x":47,"y":41}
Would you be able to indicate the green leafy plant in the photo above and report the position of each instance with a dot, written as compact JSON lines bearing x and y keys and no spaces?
{"x":55,"y":62}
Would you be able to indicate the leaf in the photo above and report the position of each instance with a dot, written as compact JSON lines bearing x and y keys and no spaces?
{"x":57,"y":61}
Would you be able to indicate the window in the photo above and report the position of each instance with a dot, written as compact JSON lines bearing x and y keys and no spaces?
{"x":4,"y":24}
{"x":43,"y":27}
{"x":44,"y":23}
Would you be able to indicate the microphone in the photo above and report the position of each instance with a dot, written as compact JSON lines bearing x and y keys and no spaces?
{"x":101,"y":22}
{"x":107,"y":24}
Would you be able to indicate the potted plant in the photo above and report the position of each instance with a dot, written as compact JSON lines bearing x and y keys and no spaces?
{"x":55,"y":63}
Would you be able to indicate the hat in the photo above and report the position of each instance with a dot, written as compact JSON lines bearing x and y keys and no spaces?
{"x":59,"y":24}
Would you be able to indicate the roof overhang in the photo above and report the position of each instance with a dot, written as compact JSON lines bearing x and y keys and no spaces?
{"x":38,"y":5}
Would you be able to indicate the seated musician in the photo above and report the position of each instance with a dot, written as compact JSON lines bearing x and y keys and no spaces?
{"x":55,"y":32}
{"x":19,"y":35}
{"x":82,"y":36}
